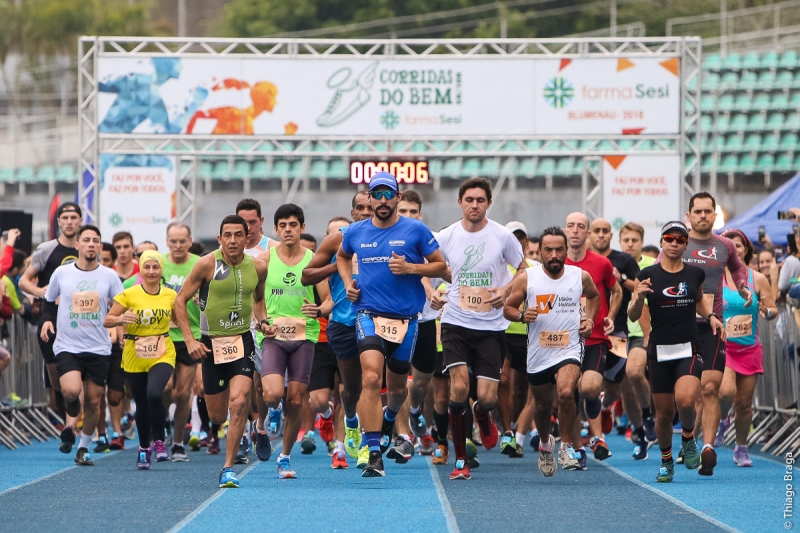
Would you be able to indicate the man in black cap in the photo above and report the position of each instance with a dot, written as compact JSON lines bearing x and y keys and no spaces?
{"x":46,"y":258}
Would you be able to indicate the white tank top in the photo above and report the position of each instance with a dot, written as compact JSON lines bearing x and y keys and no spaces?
{"x":554,"y":336}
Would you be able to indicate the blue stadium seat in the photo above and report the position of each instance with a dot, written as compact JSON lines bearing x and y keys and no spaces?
{"x":788,"y":60}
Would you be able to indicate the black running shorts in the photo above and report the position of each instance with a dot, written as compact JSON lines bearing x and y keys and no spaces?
{"x":217,"y":378}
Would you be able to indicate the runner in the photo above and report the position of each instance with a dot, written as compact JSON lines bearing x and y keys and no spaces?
{"x":594,"y":365}
{"x":636,"y":398}
{"x":744,"y":353}
{"x":231,"y":285}
{"x":674,"y":293}
{"x":712,"y":253}
{"x":149,"y":357}
{"x":387,"y":296}
{"x":108,"y":255}
{"x":532,"y":251}
{"x":47,"y":257}
{"x":478,"y":251}
{"x":136,"y":279}
{"x":82,"y":347}
{"x":126,"y":265}
{"x":288,"y":346}
{"x":341,"y":326}
{"x":556,"y":329}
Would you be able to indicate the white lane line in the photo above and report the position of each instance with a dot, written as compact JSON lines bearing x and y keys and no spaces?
{"x":96,"y":457}
{"x":670,"y":499}
{"x":450,"y":519}
{"x":203,"y":506}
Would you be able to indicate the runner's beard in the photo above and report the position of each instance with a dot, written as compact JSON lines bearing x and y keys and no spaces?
{"x":554,"y":266}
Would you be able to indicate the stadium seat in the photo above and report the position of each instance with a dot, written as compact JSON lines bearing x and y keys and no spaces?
{"x":280,"y":169}
{"x":626,"y":144}
{"x":796,"y":164}
{"x":765,"y":163}
{"x":6,"y":174}
{"x":747,"y":164}
{"x":788,"y":60}
{"x":766,"y":80}
{"x":711,"y":82}
{"x":771,"y":142}
{"x":241,"y":170}
{"x":733,"y":143}
{"x":266,"y":147}
{"x":205,"y":170}
{"x":731,"y":79}
{"x":779,"y":102}
{"x":792,"y":122}
{"x":451,"y":168}
{"x":260,"y":170}
{"x":732,"y":62}
{"x":739,"y":123}
{"x":770,"y":60}
{"x":757,"y":122}
{"x":751,"y":61}
{"x":533,"y":145}
{"x":789,"y":142}
{"x":509,"y":167}
{"x":221,"y":171}
{"x":471,"y":168}
{"x":338,"y":170}
{"x":298,"y":169}
{"x":490,"y":167}
{"x":527,"y":168}
{"x":785,"y":163}
{"x":319,"y":169}
{"x":435,"y":167}
{"x":742,"y":104}
{"x":712,"y":62}
{"x":24,"y":174}
{"x":564,"y":167}
{"x":796,"y":82}
{"x":708,"y":164}
{"x":794,"y":103}
{"x":46,"y":174}
{"x":546,"y":167}
{"x":66,"y":173}
{"x":776,"y":121}
{"x":706,"y":123}
{"x":730,"y":164}
{"x":760,"y":102}
{"x":723,"y":103}
{"x":752,"y":143}
{"x":785,"y":80}
{"x":749,"y":80}
{"x":723,"y":124}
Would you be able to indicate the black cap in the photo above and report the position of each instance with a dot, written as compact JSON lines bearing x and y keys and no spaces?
{"x":69,"y":207}
{"x":675,"y":225}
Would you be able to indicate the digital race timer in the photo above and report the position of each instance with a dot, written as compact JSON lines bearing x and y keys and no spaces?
{"x":404,"y":171}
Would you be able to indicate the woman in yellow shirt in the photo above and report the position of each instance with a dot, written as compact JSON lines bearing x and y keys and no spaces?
{"x":148,"y":358}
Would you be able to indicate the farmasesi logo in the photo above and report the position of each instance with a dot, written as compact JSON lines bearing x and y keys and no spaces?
{"x":558,"y":92}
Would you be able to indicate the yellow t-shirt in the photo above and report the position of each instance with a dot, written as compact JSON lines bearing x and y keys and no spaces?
{"x":155,"y":312}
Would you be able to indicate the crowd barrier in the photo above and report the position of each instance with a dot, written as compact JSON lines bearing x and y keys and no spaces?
{"x":24,"y":411}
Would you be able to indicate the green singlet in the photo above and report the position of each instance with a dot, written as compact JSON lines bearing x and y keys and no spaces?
{"x":174,"y":277}
{"x":226,"y":302}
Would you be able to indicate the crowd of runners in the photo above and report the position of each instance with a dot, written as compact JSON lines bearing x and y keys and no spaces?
{"x":388,"y":340}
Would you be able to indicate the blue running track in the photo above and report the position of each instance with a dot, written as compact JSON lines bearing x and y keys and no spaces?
{"x":40,"y":488}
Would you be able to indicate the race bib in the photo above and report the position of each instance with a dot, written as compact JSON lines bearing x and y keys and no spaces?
{"x":227,"y":349}
{"x":390,"y":329}
{"x":290,"y":328}
{"x":355,"y":264}
{"x":85,"y":302}
{"x":709,"y":299}
{"x":619,"y":346}
{"x":553,"y":339}
{"x":152,"y":347}
{"x":739,"y":326}
{"x":671,"y":352}
{"x":474,"y":299}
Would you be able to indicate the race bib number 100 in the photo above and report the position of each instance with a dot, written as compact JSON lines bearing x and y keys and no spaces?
{"x":227,"y":349}
{"x":474,"y":299}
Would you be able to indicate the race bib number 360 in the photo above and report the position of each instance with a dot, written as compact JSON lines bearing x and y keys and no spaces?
{"x":474,"y":299}
{"x":290,"y":328}
{"x":390,"y":329}
{"x":554,"y":339}
{"x":227,"y":349}
{"x":85,"y":302}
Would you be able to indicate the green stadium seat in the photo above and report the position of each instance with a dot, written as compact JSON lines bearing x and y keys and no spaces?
{"x":265,"y":147}
{"x":706,"y":123}
{"x":789,"y":142}
{"x":792,"y":122}
{"x":739,"y":122}
{"x":747,"y":164}
{"x":509,"y":167}
{"x":66,"y":173}
{"x":381,"y":146}
{"x":222,"y":171}
{"x":733,"y":143}
{"x":711,"y":82}
{"x":24,"y":174}
{"x":708,"y":143}
{"x":6,"y":174}
{"x":185,"y":166}
{"x":320,"y":147}
{"x":785,"y":163}
{"x":794,"y":103}
{"x":771,"y":142}
{"x":471,"y":168}
{"x":205,"y":170}
{"x":527,"y":168}
{"x":297,"y":169}
{"x":280,"y":169}
{"x":757,"y":122}
{"x":796,"y":82}
{"x":760,"y":102}
{"x":461,"y":146}
{"x":435,"y":167}
{"x":723,"y":103}
{"x":730,"y":164}
{"x":439,"y":146}
{"x":712,"y":62}
{"x":451,"y":168}
{"x":751,"y":61}
{"x":319,"y":169}
{"x":776,"y":121}
{"x":626,"y":144}
{"x":752,"y":143}
{"x":260,"y":170}
{"x":770,"y":60}
{"x":564,"y":167}
{"x":779,"y":102}
{"x":732,"y":62}
{"x":546,"y":167}
{"x":46,"y":174}
{"x":360,"y":147}
{"x":731,"y":79}
{"x":785,"y":80}
{"x":723,"y":124}
{"x":796,"y":164}
{"x":490,"y":167}
{"x":533,"y":145}
{"x":241,"y":170}
{"x":692,"y":85}
{"x":765,"y":163}
{"x":339,"y":171}
{"x":766,"y":80}
{"x":647,"y":146}
{"x":708,"y":164}
{"x":742,"y":104}
{"x":749,"y":80}
{"x":788,"y":60}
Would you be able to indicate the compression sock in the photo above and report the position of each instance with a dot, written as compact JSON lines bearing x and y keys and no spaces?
{"x":458,"y":427}
{"x":442,"y":425}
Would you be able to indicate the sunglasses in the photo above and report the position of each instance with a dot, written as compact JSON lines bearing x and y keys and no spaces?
{"x":378,"y":195}
{"x":674,"y":238}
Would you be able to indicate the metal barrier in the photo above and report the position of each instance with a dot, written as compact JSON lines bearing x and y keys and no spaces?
{"x":26,"y":415}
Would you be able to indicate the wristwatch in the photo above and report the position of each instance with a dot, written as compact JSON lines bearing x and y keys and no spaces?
{"x":319,"y":312}
{"x":520,"y":317}
{"x":710,"y":315}
{"x":263,"y":321}
{"x":623,"y":277}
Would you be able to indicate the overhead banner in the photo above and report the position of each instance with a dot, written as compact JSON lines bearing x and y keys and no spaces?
{"x":482,"y":95}
{"x":137,"y":195}
{"x":645,"y":189}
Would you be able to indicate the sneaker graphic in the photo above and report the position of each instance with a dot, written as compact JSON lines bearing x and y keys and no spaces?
{"x":350,"y":94}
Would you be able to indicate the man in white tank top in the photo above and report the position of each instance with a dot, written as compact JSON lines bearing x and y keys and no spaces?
{"x":552,"y":293}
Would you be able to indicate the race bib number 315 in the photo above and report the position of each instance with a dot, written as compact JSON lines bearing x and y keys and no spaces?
{"x":390,"y":329}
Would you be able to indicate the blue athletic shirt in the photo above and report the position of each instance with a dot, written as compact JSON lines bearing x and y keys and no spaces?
{"x":342,"y":308}
{"x":383,"y":293}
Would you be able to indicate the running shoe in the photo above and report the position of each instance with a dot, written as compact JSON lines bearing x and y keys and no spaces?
{"x":274,"y":422}
{"x":472,"y":454}
{"x":691,"y":459}
{"x":326,"y":426}
{"x":352,"y":440}
{"x":679,"y":460}
{"x":640,"y":450}
{"x":441,"y":454}
{"x":117,"y":442}
{"x":508,"y":444}
{"x":650,"y":429}
{"x":204,"y":436}
{"x":169,"y":441}
{"x":666,"y":472}
{"x":83,"y":457}
{"x":374,"y":466}
{"x":428,"y":445}
{"x":461,"y":471}
{"x":339,"y":461}
{"x":213,"y":445}
{"x":129,"y":433}
{"x":285,"y":469}
{"x":362,"y":457}
{"x":160,"y":449}
{"x":228,"y":479}
{"x":568,"y":459}
{"x":581,"y":458}
{"x":67,"y":440}
{"x":102,"y":445}
{"x":599,"y":448}
{"x":741,"y":457}
{"x":606,"y":421}
{"x":535,"y":439}
{"x":417,"y":423}
{"x":708,"y":460}
{"x":387,"y":430}
{"x":331,"y":448}
{"x":488,"y":430}
{"x":723,"y":426}
{"x":241,"y":453}
{"x":476,"y":436}
{"x":143,"y":459}
{"x":308,"y":445}
{"x":262,"y":445}
{"x":622,"y":424}
{"x":194,"y":442}
{"x":401,"y":452}
{"x":179,"y":454}
{"x":547,"y":463}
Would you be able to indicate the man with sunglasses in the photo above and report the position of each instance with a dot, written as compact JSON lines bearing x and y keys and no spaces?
{"x":387,"y":298}
{"x":712,"y":253}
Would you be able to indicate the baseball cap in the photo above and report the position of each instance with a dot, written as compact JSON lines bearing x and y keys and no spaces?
{"x":516,"y":225}
{"x":680,"y":226}
{"x":383,"y":178}
{"x":69,"y":207}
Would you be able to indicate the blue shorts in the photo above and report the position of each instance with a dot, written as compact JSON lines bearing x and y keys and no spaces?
{"x":369,"y":340}
{"x":342,"y":340}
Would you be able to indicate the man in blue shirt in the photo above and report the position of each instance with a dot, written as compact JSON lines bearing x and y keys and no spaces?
{"x":387,"y":297}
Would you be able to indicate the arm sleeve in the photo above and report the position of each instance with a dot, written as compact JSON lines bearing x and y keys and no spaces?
{"x":737,"y":269}
{"x":52,"y":288}
{"x":6,"y":260}
{"x":512,"y":251}
{"x":39,"y":257}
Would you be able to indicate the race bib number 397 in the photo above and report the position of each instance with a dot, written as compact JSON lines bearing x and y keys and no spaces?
{"x":85,"y":302}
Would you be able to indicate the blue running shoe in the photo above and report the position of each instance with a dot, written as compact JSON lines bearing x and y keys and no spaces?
{"x":143,"y":459}
{"x":581,"y":456}
{"x":285,"y":469}
{"x":228,"y":479}
{"x":274,"y":422}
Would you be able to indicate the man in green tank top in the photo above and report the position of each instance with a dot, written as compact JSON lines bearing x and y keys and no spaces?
{"x":178,"y":263}
{"x":231,"y":286}
{"x":288,"y":345}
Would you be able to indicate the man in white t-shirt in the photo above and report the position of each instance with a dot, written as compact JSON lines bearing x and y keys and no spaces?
{"x":478,"y":251}
{"x":82,"y":348}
